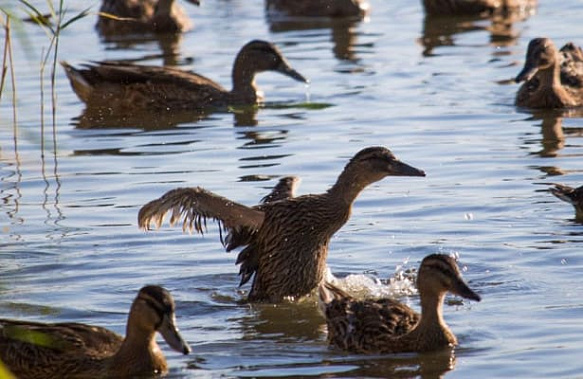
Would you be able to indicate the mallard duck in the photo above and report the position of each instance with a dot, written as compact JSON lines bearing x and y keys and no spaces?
{"x":149,"y":87}
{"x":387,"y":326}
{"x":287,"y":240}
{"x":140,"y":16}
{"x":73,"y":350}
{"x":476,"y":7}
{"x":572,"y":196}
{"x":318,"y":8}
{"x":553,"y":78}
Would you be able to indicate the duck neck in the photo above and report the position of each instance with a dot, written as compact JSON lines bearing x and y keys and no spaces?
{"x":432,"y":332}
{"x":550,"y":77}
{"x":139,"y":353}
{"x":555,"y":94}
{"x":348,"y":186}
{"x":244,"y":89}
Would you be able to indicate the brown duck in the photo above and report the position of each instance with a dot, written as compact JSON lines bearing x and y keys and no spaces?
{"x":142,"y":16}
{"x":133,"y":86}
{"x":318,"y":8}
{"x":387,"y":326}
{"x":73,"y":350}
{"x":286,"y":240}
{"x":476,"y":7}
{"x":553,"y":78}
{"x":572,"y":196}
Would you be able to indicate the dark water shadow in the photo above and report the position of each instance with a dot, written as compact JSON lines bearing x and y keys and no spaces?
{"x":101,"y":116}
{"x":104,"y":117}
{"x":343,"y":34}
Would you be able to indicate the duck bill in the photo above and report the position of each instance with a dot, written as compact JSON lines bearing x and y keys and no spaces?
{"x":398,"y":168}
{"x":170,"y":333}
{"x":564,"y":193}
{"x":462,"y":289}
{"x":527,"y":72}
{"x":286,"y":69}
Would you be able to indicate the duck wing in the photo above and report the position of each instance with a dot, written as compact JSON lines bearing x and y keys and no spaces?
{"x":146,"y":86}
{"x":363,"y":325}
{"x":249,"y":257}
{"x":61,"y":338}
{"x":284,"y":189}
{"x":194,"y":206}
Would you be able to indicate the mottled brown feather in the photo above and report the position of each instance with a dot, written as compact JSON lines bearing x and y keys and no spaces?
{"x":125,"y":86}
{"x":552,"y":78}
{"x":287,"y":253}
{"x":476,"y":7}
{"x":74,"y":350}
{"x":142,"y":16}
{"x":387,"y":326}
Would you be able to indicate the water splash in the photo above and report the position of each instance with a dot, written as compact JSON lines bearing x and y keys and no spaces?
{"x":367,"y":286}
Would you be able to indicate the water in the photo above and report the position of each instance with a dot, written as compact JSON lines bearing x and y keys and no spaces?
{"x":71,"y":249}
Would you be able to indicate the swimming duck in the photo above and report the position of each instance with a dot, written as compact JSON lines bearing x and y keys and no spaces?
{"x":318,"y":8}
{"x":553,"y":78}
{"x":387,"y":326}
{"x":287,"y":240}
{"x":476,"y":7}
{"x":140,"y":16}
{"x":133,"y":86}
{"x":572,"y":196}
{"x":73,"y":350}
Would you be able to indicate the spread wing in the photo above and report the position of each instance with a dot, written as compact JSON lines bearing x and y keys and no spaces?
{"x":194,"y":206}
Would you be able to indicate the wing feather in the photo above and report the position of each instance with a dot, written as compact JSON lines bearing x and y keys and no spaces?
{"x":194,"y":205}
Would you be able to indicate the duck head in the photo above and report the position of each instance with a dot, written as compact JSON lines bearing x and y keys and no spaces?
{"x":540,"y":55}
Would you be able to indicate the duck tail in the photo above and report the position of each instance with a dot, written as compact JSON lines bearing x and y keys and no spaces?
{"x":327,"y":293}
{"x":79,"y":84}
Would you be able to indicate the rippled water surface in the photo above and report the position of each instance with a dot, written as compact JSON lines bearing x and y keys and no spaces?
{"x":436,"y":92}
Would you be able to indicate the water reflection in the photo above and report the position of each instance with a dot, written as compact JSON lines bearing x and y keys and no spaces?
{"x":302,"y":323}
{"x":427,"y":365}
{"x":291,"y":322}
{"x":343,"y":32}
{"x":110,"y":116}
{"x":169,"y":45}
{"x":553,"y":138}
{"x":441,"y":30}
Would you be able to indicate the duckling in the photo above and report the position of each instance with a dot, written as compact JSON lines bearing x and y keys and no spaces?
{"x":387,"y":326}
{"x":318,"y":8}
{"x":553,"y":78}
{"x":476,"y":7}
{"x":142,"y":16}
{"x":572,"y":196}
{"x":73,"y":350}
{"x":133,"y":86}
{"x":288,"y":240}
